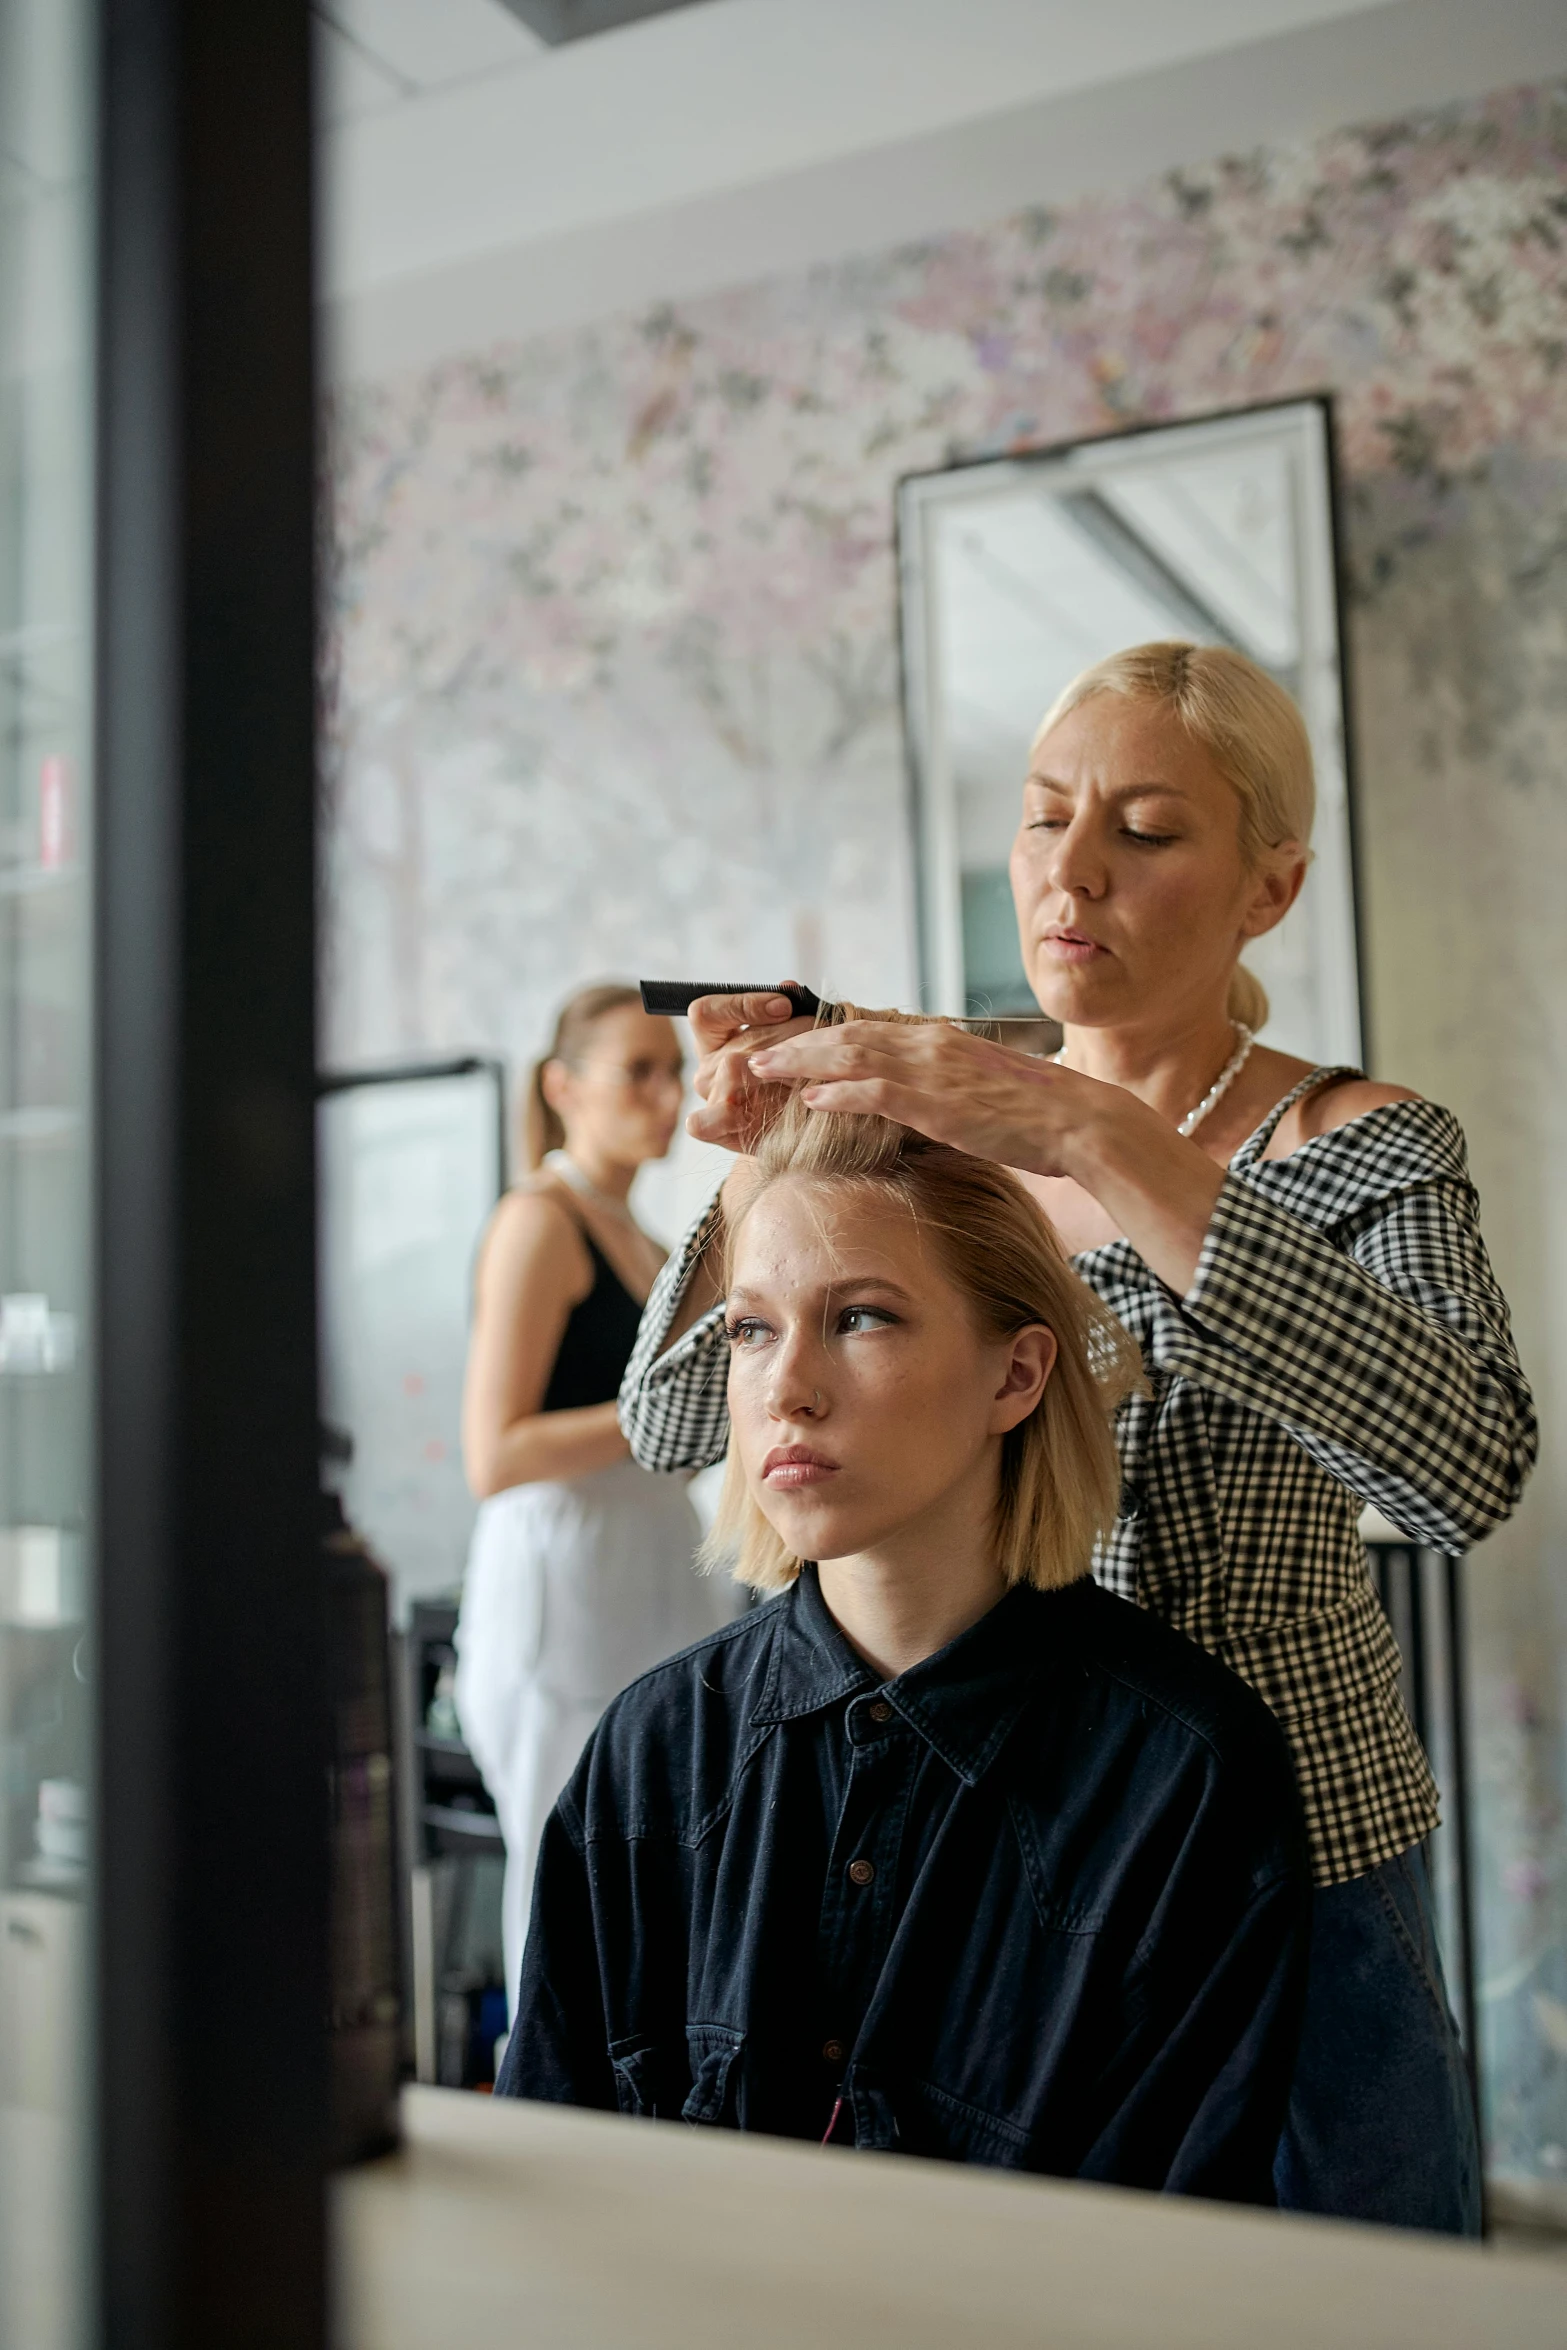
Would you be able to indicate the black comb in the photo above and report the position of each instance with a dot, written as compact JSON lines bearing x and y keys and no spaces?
{"x":674,"y":997}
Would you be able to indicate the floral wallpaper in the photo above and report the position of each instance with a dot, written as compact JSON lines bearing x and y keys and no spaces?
{"x":612,"y":687}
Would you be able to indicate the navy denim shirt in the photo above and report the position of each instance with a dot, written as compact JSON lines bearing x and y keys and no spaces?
{"x":1039,"y":1902}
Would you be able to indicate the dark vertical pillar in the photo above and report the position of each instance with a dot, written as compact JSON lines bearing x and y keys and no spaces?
{"x":212,"y":1872}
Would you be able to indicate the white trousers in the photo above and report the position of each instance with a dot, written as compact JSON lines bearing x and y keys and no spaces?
{"x":572,"y":1590}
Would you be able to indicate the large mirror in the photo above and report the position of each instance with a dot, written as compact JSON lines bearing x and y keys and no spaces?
{"x":1018,"y":572}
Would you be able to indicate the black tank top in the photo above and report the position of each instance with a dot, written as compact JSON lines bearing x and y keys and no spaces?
{"x":596,"y":1343}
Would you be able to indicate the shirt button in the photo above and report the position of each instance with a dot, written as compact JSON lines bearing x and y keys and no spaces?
{"x":881,"y":1711}
{"x":861,"y":1871}
{"x":834,"y":2051}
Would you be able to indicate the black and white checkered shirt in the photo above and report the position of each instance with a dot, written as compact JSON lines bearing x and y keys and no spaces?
{"x":1344,"y":1341}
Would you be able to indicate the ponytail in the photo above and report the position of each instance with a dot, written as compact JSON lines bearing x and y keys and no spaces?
{"x":542,"y":1130}
{"x":1247,"y":1000}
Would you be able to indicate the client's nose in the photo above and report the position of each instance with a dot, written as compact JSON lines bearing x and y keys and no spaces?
{"x":796,"y":1387}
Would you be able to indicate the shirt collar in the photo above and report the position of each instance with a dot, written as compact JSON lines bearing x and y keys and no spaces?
{"x":964,"y":1701}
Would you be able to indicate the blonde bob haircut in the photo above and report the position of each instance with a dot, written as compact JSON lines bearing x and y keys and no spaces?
{"x":1251,"y":729}
{"x":1060,"y":1477}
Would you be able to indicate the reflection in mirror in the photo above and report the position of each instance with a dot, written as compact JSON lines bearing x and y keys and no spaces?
{"x":1018,"y":573}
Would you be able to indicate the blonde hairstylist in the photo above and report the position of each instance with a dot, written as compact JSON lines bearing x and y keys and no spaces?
{"x":580,"y":1573}
{"x":1298,"y":1251}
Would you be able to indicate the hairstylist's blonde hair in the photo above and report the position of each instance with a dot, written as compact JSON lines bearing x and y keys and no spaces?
{"x":1060,"y":1477}
{"x":1253,"y":731}
{"x":542,"y":1130}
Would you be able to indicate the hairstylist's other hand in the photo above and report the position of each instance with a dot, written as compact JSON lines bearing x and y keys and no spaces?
{"x":736,"y":1107}
{"x":957,"y":1088}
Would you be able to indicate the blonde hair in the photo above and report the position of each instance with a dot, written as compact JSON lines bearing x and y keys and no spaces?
{"x":1060,"y":1474}
{"x":579,"y":1015}
{"x":1250,"y":727}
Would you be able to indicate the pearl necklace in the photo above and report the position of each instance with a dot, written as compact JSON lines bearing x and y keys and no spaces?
{"x":562,"y":1164}
{"x":1221,"y":1084}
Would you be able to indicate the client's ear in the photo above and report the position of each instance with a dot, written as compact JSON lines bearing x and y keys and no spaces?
{"x":1031,"y":1360}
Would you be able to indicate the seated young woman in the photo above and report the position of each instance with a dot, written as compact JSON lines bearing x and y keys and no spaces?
{"x":945,"y":1851}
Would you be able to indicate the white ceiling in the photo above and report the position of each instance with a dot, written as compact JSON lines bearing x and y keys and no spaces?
{"x":452,"y":131}
{"x":381,"y":56}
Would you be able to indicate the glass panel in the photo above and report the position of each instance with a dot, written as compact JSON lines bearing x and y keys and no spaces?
{"x":409,"y":1172}
{"x":45,"y":1397}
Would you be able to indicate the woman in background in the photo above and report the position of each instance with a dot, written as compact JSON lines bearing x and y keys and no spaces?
{"x":580,"y":1571}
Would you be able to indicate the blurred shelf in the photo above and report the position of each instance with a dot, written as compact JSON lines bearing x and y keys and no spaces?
{"x":31,"y":881}
{"x":482,"y":1827}
{"x":65,"y":1877}
{"x":38,"y":636}
{"x":434,"y":1743}
{"x":446,"y":1766}
{"x":40,"y":1128}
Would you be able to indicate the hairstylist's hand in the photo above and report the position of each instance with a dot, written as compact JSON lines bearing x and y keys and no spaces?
{"x":737,"y":1108}
{"x":957,"y":1088}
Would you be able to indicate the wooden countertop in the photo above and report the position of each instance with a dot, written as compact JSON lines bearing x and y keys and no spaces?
{"x":502,"y":2226}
